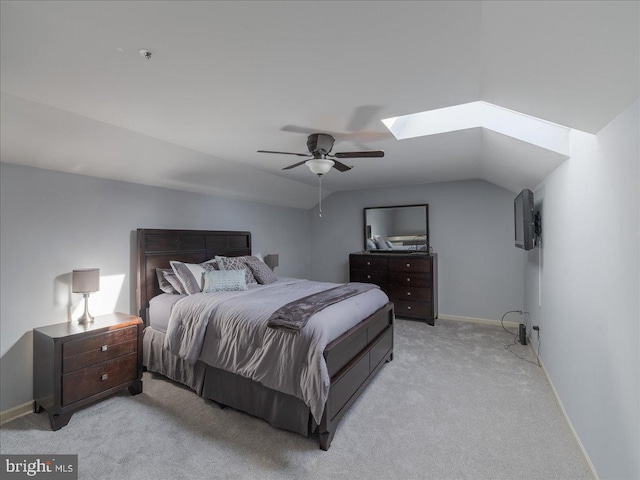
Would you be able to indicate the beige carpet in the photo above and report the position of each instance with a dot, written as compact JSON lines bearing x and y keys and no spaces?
{"x":453,"y":404}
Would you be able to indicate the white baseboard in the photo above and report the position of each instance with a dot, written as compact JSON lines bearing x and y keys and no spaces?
{"x":487,"y":321}
{"x":566,"y":417}
{"x":16,"y":412}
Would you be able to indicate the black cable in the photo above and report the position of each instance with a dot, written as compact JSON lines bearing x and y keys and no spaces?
{"x":515,"y":336}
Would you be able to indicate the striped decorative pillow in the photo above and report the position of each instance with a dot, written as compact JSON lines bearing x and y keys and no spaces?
{"x":190,"y":274}
{"x":223,"y":280}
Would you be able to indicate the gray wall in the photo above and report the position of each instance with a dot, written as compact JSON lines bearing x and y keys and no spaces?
{"x":54,"y":222}
{"x":583,"y":289}
{"x":481,"y":273}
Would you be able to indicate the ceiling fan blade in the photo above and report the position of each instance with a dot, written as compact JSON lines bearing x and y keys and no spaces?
{"x":341,"y":166}
{"x":284,"y":153}
{"x":295,"y":165}
{"x":368,"y":153}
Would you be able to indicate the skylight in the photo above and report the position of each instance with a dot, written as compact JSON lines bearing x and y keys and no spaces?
{"x":486,"y":115}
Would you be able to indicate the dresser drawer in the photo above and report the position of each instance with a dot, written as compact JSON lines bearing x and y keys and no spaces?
{"x":92,"y":380}
{"x":97,"y":342}
{"x":369,"y":262}
{"x":409,"y":279}
{"x":414,"y":264}
{"x":408,"y":293}
{"x":369,"y":276}
{"x":412,"y":308}
{"x":100,"y":354}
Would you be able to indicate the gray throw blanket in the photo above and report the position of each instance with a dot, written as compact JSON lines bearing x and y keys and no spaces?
{"x":293,"y":316}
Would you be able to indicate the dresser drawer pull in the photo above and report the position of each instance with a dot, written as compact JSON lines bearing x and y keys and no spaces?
{"x":105,"y":376}
{"x":409,"y":307}
{"x":408,"y":279}
{"x":104,"y":348}
{"x":408,"y":294}
{"x":368,"y":263}
{"x":408,"y":265}
{"x":368,"y":277}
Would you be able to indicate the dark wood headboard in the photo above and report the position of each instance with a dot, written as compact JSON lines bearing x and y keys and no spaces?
{"x":157,"y":247}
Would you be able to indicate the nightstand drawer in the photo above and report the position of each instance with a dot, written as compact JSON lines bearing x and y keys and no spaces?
{"x":97,"y":342}
{"x":92,"y":380}
{"x":410,"y":265}
{"x":102,"y":353}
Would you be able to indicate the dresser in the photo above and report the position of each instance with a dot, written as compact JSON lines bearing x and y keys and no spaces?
{"x":409,"y":280}
{"x":74,"y":365}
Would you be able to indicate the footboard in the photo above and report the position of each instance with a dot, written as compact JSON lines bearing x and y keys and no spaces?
{"x":353,"y":359}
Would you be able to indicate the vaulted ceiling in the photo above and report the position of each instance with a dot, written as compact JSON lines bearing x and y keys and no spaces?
{"x":230,"y":78}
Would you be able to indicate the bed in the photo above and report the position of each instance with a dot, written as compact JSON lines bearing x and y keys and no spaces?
{"x":356,"y":349}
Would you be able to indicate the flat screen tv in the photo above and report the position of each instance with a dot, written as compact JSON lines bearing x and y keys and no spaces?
{"x":524,"y":220}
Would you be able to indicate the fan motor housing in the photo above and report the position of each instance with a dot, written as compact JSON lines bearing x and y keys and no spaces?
{"x":320,"y":142}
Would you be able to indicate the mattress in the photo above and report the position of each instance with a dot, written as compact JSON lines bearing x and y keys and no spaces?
{"x":160,"y":308}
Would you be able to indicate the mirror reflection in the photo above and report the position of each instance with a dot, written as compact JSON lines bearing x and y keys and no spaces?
{"x":403,"y":228}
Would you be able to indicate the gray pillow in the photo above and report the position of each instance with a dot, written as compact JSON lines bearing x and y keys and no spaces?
{"x":163,"y":283}
{"x":381,"y":244}
{"x":261,"y":271}
{"x":371,"y":245}
{"x":174,"y":281}
{"x":389,"y":244}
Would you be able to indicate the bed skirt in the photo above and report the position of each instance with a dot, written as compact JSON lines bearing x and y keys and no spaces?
{"x":228,"y":389}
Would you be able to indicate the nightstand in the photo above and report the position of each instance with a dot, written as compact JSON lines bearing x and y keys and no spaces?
{"x":74,"y":365}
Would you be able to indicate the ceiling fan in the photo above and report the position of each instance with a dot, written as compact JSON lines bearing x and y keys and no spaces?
{"x":321,"y":161}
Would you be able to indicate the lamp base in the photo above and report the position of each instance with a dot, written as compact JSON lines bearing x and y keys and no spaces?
{"x":86,"y":317}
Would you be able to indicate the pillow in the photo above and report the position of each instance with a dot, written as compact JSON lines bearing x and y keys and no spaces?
{"x":371,"y":245}
{"x":170,"y":276}
{"x":223,"y":280}
{"x":389,"y":244}
{"x":236,"y":263}
{"x":261,"y":271}
{"x":381,"y":245}
{"x":163,"y":283}
{"x":190,"y":274}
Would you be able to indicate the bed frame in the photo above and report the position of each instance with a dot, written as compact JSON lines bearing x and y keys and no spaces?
{"x":353,"y":359}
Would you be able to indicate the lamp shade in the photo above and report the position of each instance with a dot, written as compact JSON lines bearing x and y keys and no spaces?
{"x":272,"y":260}
{"x":319,"y":166}
{"x":86,"y":280}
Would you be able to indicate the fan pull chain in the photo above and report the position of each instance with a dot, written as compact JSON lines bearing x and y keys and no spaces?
{"x":320,"y":195}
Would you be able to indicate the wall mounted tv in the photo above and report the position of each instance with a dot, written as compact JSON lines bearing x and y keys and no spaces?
{"x":525,"y":220}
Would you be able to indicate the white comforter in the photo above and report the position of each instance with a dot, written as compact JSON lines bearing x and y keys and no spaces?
{"x":228,"y":330}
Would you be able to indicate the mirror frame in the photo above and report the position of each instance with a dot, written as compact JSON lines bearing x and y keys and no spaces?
{"x":366,"y":236}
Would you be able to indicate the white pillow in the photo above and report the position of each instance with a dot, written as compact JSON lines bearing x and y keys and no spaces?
{"x":223,"y":280}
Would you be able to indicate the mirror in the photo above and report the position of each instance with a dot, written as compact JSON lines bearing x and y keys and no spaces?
{"x":397,"y":229}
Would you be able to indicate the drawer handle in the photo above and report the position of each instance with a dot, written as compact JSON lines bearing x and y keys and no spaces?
{"x":408,"y":294}
{"x":104,"y":348}
{"x":408,"y":265}
{"x":368,"y":277}
{"x":408,"y":279}
{"x":104,"y":377}
{"x":368,"y":263}
{"x":409,"y":307}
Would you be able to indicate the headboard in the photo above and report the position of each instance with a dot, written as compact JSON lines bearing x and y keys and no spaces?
{"x":157,"y":247}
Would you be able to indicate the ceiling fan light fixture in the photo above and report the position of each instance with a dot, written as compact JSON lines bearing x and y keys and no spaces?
{"x":319,"y":166}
